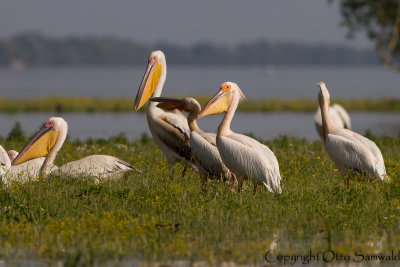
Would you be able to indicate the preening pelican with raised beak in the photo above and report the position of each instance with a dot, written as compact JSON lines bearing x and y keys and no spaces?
{"x":169,"y":129}
{"x":203,"y":144}
{"x":349,"y":151}
{"x":244,"y":156}
{"x":49,"y":140}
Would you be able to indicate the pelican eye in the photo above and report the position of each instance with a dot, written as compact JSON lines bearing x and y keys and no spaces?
{"x":226,"y":88}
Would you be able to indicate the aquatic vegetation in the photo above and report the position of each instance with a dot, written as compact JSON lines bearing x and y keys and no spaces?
{"x":151,"y":217}
{"x":69,"y":104}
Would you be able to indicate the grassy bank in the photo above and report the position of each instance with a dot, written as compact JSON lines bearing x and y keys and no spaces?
{"x":65,"y":104}
{"x":150,"y":217}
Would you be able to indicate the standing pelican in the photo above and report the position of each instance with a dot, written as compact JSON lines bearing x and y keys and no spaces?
{"x":203,"y":144}
{"x":49,"y":141}
{"x":169,"y":129}
{"x":244,"y":156}
{"x":338,"y":114}
{"x":348,"y":150}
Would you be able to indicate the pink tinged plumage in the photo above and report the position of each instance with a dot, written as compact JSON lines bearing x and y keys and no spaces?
{"x":244,"y":156}
{"x":348,"y":150}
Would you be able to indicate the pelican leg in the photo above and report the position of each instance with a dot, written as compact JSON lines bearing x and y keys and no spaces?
{"x":184,"y":171}
{"x":240,"y":185}
{"x":232,"y":179}
{"x":347,"y":180}
{"x":171,"y":176}
{"x":254,"y":187}
{"x":204,"y":179}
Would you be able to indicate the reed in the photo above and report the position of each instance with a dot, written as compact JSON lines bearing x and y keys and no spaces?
{"x":68,"y":104}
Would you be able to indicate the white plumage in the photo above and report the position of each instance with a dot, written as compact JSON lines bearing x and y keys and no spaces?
{"x":170,"y":130}
{"x":247,"y":157}
{"x":206,"y":155}
{"x":244,"y":156}
{"x":5,"y":162}
{"x":99,"y":166}
{"x":348,"y":150}
{"x":31,"y":166}
{"x":28,"y":170}
{"x":338,"y":114}
{"x":203,"y":144}
{"x":12,"y":154}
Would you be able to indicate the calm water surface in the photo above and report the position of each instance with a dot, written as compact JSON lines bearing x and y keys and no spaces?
{"x":262,"y":125}
{"x":256,"y":82}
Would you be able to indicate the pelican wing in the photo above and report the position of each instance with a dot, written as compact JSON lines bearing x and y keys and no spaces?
{"x":27,"y":171}
{"x":247,"y":157}
{"x":30,"y":168}
{"x":206,"y":154}
{"x":179,"y":121}
{"x":343,"y":115}
{"x":101,"y":166}
{"x":354,"y":151}
{"x":173,"y":133}
{"x":210,"y":137}
{"x":176,"y":119}
{"x":254,"y":143}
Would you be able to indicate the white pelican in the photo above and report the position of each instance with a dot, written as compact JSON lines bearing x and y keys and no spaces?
{"x":244,"y":156}
{"x":338,"y":114}
{"x":203,"y":144}
{"x":4,"y":159}
{"x":22,"y":172}
{"x":33,"y":164}
{"x":12,"y":154}
{"x":169,"y":129}
{"x":49,"y":141}
{"x":348,"y":150}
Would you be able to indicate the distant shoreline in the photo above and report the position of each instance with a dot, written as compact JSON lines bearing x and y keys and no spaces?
{"x":34,"y":49}
{"x":61,"y":105}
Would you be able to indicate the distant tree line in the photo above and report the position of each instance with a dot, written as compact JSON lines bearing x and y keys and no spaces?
{"x":36,"y":49}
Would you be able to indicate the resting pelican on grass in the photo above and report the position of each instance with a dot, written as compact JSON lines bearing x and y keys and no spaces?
{"x":4,"y":159}
{"x":244,"y":156}
{"x":23,"y":172}
{"x":12,"y":154}
{"x":338,"y":114}
{"x":203,"y":144}
{"x":349,"y":151}
{"x":49,"y":141}
{"x":169,"y":129}
{"x":33,"y":164}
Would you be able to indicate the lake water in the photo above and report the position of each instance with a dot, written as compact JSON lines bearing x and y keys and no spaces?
{"x":256,"y":82}
{"x":262,"y":125}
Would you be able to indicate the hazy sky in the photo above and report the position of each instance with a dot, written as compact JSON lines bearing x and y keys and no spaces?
{"x":180,"y":21}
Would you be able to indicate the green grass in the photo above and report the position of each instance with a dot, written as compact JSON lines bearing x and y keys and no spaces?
{"x":66,"y":104}
{"x":150,"y":217}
